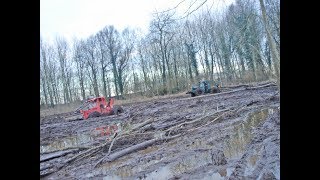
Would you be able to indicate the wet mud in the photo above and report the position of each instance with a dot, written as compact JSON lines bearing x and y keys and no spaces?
{"x":230,"y":135}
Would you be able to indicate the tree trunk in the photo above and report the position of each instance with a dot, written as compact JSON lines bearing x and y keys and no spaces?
{"x":120,"y":82}
{"x":83,"y":94}
{"x":44,"y":91}
{"x":142,"y":64}
{"x":47,"y":77}
{"x":109,"y":90}
{"x":163,"y":71}
{"x":95,"y":83}
{"x":272,"y":45}
{"x":206,"y":60}
{"x":175,"y":69}
{"x":169,"y":70}
{"x":115,"y":74}
{"x":104,"y":82}
{"x":189,"y":68}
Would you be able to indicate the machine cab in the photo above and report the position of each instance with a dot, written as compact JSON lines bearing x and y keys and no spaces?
{"x":96,"y":107}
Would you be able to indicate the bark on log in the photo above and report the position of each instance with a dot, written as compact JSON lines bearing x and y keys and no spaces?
{"x":236,"y":86}
{"x":142,"y":124}
{"x":68,"y":148}
{"x":130,"y":149}
{"x":47,"y":157}
{"x":262,"y":86}
{"x":46,"y":167}
{"x":136,"y":147}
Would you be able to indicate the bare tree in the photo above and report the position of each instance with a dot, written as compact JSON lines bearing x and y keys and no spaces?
{"x":272,"y":45}
{"x":112,"y":42}
{"x":79,"y":58}
{"x":142,"y":56}
{"x":44,"y":73}
{"x":104,"y":62}
{"x":128,"y":41}
{"x":161,"y":26}
{"x":91,"y":59}
{"x":62,"y":48}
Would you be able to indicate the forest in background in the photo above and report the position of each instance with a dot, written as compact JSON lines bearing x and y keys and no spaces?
{"x":238,"y":45}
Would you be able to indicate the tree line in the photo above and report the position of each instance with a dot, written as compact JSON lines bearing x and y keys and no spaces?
{"x":239,"y":44}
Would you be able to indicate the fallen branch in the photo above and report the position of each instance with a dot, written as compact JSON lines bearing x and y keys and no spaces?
{"x":90,"y":154}
{"x":267,"y":82}
{"x":130,"y":149}
{"x":236,"y":86}
{"x":47,"y":157}
{"x":140,"y":134}
{"x":172,"y":123}
{"x":113,"y":140}
{"x":69,"y":148}
{"x":111,"y":144}
{"x":262,"y":86}
{"x":79,"y":156}
{"x":217,"y":118}
{"x":90,"y":151}
{"x":105,"y":155}
{"x":46,"y":167}
{"x":198,"y":119}
{"x":207,"y":123}
{"x":147,"y":128}
{"x":136,"y":147}
{"x":247,"y":85}
{"x":142,"y":124}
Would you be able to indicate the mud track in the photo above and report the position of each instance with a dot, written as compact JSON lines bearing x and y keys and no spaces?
{"x":231,"y":135}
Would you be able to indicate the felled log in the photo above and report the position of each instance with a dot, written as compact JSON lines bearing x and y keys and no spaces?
{"x":136,"y":147}
{"x":47,"y":157}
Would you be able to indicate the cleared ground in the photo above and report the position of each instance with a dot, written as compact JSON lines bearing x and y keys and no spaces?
{"x":231,"y":135}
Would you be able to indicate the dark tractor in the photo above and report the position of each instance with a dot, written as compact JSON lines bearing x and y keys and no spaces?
{"x":203,"y":87}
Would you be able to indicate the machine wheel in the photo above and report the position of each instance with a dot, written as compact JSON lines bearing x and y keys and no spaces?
{"x":94,"y":114}
{"x":216,"y":90}
{"x":117,"y":110}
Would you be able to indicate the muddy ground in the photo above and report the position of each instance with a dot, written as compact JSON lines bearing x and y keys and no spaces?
{"x":230,"y":135}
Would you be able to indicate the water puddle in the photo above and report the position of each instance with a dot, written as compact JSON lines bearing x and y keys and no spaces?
{"x":69,"y":142}
{"x":106,"y":132}
{"x":163,"y":173}
{"x":126,"y":170}
{"x":122,"y":169}
{"x":251,"y":162}
{"x":235,"y":145}
{"x":182,"y":165}
{"x":221,"y":174}
{"x":117,"y":169}
{"x":191,"y":162}
{"x":113,"y":177}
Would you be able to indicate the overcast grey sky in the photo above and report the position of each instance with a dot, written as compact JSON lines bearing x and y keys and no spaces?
{"x":82,"y":18}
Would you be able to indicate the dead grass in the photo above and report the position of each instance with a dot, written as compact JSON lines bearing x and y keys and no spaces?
{"x":138,"y":99}
{"x":58,"y":109}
